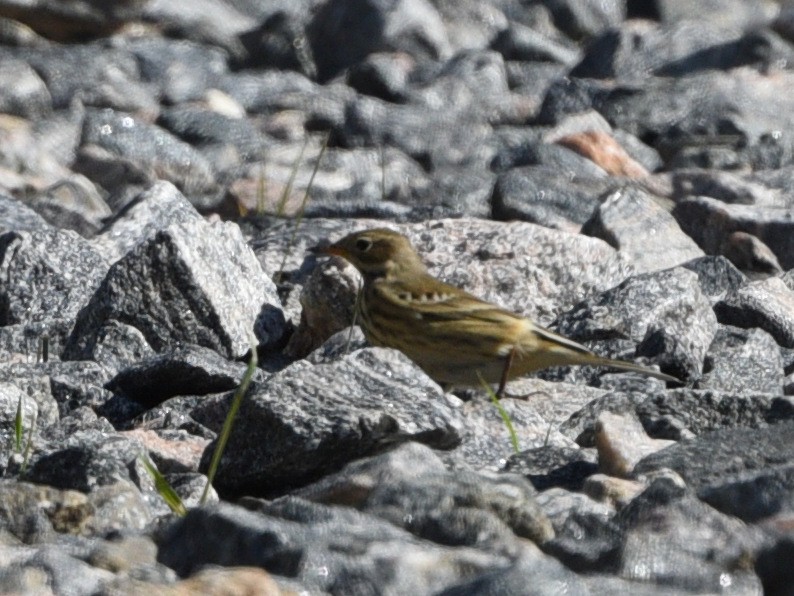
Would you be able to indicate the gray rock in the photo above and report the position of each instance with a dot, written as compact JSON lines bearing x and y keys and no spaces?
{"x":23,"y":92}
{"x":711,"y":222}
{"x":661,"y":315}
{"x":586,"y":535}
{"x":96,"y":74}
{"x":519,"y":42}
{"x":716,"y":276}
{"x":585,"y":19}
{"x":768,"y":304}
{"x":634,"y":223}
{"x":728,"y":187}
{"x":153,"y":151}
{"x":544,"y":195}
{"x":15,"y":216}
{"x":356,"y":553}
{"x":721,"y":456}
{"x":185,"y":370}
{"x":411,"y":488}
{"x":743,"y":361}
{"x":695,"y":548}
{"x":73,"y":203}
{"x":487,"y":443}
{"x":34,"y":342}
{"x":371,"y":398}
{"x":530,"y":574}
{"x":182,"y":70}
{"x":411,"y":26}
{"x":192,"y":282}
{"x":151,"y":211}
{"x":49,"y":568}
{"x":550,"y":466}
{"x":46,"y":274}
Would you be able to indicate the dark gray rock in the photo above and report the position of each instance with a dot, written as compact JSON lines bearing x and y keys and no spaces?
{"x":633,"y":222}
{"x":544,"y":195}
{"x":367,"y":26}
{"x":662,"y":315}
{"x":747,"y":458}
{"x":278,"y":41}
{"x":586,"y":536}
{"x":34,"y":342}
{"x":768,"y":304}
{"x":45,"y":274}
{"x":487,"y":443}
{"x":193,"y":283}
{"x":551,"y":466}
{"x":384,"y":75}
{"x":772,"y":566}
{"x":411,"y":488}
{"x":358,"y":553}
{"x":743,"y":361}
{"x":185,"y":370}
{"x":728,"y":187}
{"x":370,"y":399}
{"x":695,"y":548}
{"x":153,"y":151}
{"x":585,"y":19}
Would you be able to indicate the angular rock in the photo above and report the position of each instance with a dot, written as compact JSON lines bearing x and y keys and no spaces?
{"x":193,"y":283}
{"x":185,"y":370}
{"x":46,"y":274}
{"x":151,"y":211}
{"x":768,"y":304}
{"x":717,"y":276}
{"x":411,"y":488}
{"x":352,"y":549}
{"x":634,"y":223}
{"x":661,"y":315}
{"x":307,"y":421}
{"x":22,"y":92}
{"x":73,"y":203}
{"x":743,"y":361}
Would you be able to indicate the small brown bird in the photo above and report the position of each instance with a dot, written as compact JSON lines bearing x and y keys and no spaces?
{"x":453,"y":336}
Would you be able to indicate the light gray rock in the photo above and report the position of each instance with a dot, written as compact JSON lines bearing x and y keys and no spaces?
{"x":768,"y":304}
{"x":634,"y":223}
{"x":45,"y":275}
{"x":192,"y":282}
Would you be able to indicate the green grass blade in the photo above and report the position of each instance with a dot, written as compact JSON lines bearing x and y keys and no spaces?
{"x":18,"y":427}
{"x":164,"y":489}
{"x":223,"y":438}
{"x":502,"y":412}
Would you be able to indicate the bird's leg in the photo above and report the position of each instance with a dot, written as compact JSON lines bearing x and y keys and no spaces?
{"x":506,"y":373}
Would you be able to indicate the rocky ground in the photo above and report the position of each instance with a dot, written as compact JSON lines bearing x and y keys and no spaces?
{"x":620,"y":171}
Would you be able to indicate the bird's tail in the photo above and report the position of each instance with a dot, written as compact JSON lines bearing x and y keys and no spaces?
{"x":552,"y":349}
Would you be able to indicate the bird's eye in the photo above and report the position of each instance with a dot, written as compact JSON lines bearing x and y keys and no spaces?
{"x":363,"y":244}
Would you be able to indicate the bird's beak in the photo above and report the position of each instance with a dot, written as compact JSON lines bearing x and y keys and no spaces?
{"x":325,"y":250}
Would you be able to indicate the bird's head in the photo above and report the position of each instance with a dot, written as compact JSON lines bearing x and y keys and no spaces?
{"x":377,"y":253}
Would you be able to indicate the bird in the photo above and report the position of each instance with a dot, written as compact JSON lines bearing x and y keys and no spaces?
{"x":456,"y":338}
